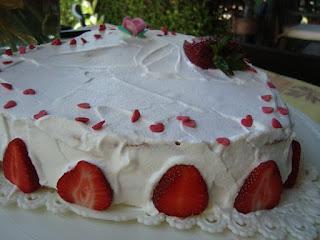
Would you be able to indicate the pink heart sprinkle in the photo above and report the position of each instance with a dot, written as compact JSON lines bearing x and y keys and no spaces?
{"x":189,"y":123}
{"x":73,"y":41}
{"x":22,"y":49}
{"x":223,"y":140}
{"x":266,"y":98}
{"x":84,"y":120}
{"x":29,"y":91}
{"x":56,"y":42}
{"x":158,"y":127}
{"x":7,"y":86}
{"x":135,"y":115}
{"x":7,"y":62}
{"x":10,"y":104}
{"x":247,"y":121}
{"x":276,"y":123}
{"x":31,"y":46}
{"x":84,"y":41}
{"x":283,"y":111}
{"x":97,"y":36}
{"x":40,"y":114}
{"x":270,"y":85}
{"x":134,"y":26}
{"x":267,"y":110}
{"x":102,"y":27}
{"x":84,"y":105}
{"x":99,"y":125}
{"x":8,"y":52}
{"x":182,"y":118}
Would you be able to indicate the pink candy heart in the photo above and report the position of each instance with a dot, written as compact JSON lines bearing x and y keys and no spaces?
{"x":134,"y":26}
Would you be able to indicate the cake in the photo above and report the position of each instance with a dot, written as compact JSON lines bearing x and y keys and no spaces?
{"x":144,"y":118}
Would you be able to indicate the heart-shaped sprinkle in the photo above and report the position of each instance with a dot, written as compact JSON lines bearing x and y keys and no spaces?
{"x":6,"y":86}
{"x":22,"y":49}
{"x":7,"y":62}
{"x":40,"y":114}
{"x":10,"y":104}
{"x":270,"y":85}
{"x":283,"y":111}
{"x":102,"y":27}
{"x":73,"y":42}
{"x":182,"y":118}
{"x":134,"y":26}
{"x":97,"y":36}
{"x":84,"y":41}
{"x":8,"y":52}
{"x":275,"y":123}
{"x":266,"y":98}
{"x":56,"y":42}
{"x":29,"y":91}
{"x":189,"y":123}
{"x":84,"y":120}
{"x":247,"y":121}
{"x":165,"y":30}
{"x":31,"y":46}
{"x":223,"y":140}
{"x":158,"y":127}
{"x":267,"y":110}
{"x":99,"y":125}
{"x":135,"y":115}
{"x":84,"y":105}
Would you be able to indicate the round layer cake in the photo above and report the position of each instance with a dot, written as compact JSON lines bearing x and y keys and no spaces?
{"x":143,"y":116}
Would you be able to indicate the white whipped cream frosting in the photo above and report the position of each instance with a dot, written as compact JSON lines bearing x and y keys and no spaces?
{"x":117,"y":74}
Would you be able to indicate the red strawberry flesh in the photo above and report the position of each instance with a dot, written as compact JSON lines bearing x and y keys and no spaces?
{"x":181,"y":192}
{"x":296,"y":155}
{"x":261,"y":189}
{"x":18,"y":168}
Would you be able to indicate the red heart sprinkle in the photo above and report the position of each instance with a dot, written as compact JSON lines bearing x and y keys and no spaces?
{"x":102,"y":27}
{"x":223,"y":140}
{"x":182,"y":118}
{"x":31,"y":46}
{"x":7,"y":62}
{"x":84,"y":105}
{"x":29,"y":91}
{"x":247,"y":121}
{"x":73,"y":42}
{"x":189,"y":123}
{"x":98,"y":125}
{"x":135,"y":115}
{"x":40,"y":114}
{"x":283,"y":111}
{"x":267,"y":110}
{"x":158,"y":127}
{"x":56,"y":42}
{"x":10,"y":104}
{"x":82,"y":119}
{"x":266,"y":98}
{"x":97,"y":36}
{"x":7,"y":86}
{"x":276,"y":123}
{"x":22,"y":50}
{"x":84,"y":41}
{"x":165,"y":30}
{"x":8,"y":52}
{"x":270,"y":85}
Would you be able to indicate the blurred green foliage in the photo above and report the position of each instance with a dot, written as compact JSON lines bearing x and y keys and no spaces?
{"x":185,"y":16}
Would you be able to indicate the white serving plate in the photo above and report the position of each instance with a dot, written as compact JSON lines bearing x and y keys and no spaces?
{"x":16,"y":223}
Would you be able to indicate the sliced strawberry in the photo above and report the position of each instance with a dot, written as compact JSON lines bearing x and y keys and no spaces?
{"x":199,"y":53}
{"x":261,"y":190}
{"x":18,"y":168}
{"x":295,"y":153}
{"x":181,"y":192}
{"x":86,"y":186}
